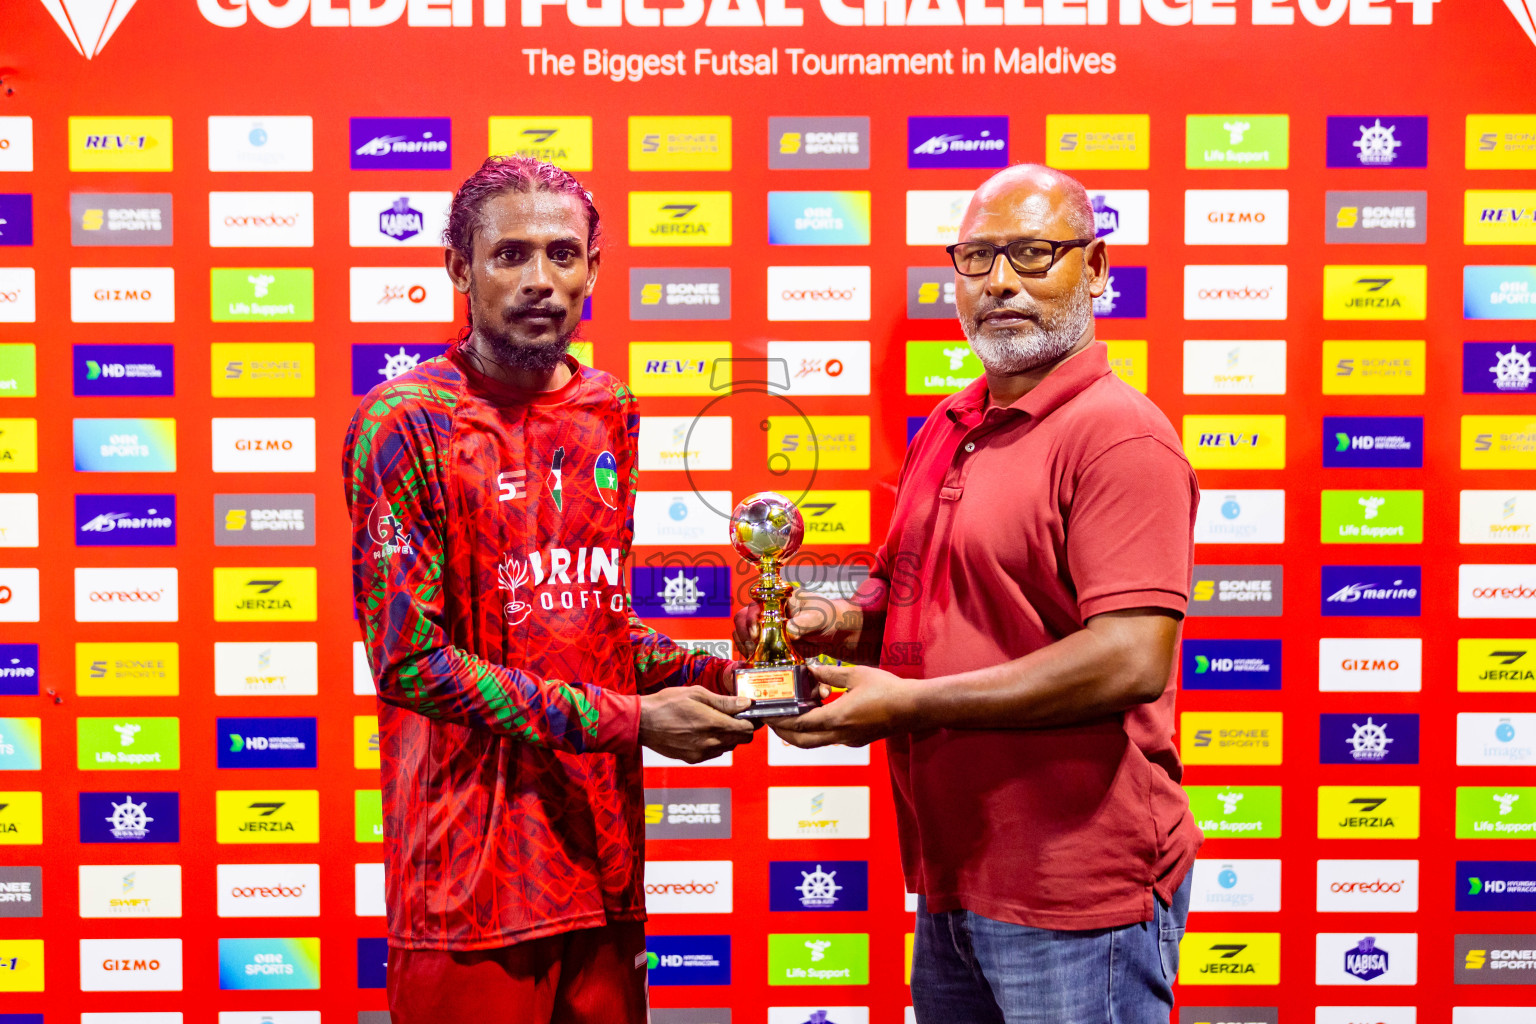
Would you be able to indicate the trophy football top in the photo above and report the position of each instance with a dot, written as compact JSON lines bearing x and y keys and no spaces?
{"x":766,"y":525}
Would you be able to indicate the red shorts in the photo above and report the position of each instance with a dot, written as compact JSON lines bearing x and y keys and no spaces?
{"x":592,"y":976}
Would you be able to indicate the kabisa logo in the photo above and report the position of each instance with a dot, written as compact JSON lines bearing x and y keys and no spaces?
{"x":395,"y":219}
{"x":1369,"y":739}
{"x":18,"y":670}
{"x":1367,"y":961}
{"x":679,"y":293}
{"x":818,"y":885}
{"x":957,"y":141}
{"x":125,"y":520}
{"x":138,"y":370}
{"x":372,"y":365}
{"x":401,"y":143}
{"x":88,"y":25}
{"x":818,"y":143}
{"x":1125,"y":295}
{"x":1360,"y":442}
{"x":1367,"y":590}
{"x":1372,"y":141}
{"x":1488,"y":367}
{"x":1231,"y":664}
{"x":130,"y":817}
{"x":401,"y":220}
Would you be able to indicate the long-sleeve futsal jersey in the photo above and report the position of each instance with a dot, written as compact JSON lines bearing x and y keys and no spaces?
{"x":490,"y":527}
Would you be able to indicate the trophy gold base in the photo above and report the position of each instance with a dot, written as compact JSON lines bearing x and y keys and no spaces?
{"x":777,"y":692}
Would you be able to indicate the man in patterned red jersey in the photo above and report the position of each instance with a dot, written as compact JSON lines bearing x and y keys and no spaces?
{"x":492,"y":494}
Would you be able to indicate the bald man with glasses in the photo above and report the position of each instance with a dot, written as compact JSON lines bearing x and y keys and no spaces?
{"x":1015,"y":645}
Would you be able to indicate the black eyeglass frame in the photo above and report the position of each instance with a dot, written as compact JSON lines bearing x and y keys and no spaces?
{"x":1056,"y":249}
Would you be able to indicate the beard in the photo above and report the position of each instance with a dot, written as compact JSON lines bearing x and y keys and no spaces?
{"x":537,"y":357}
{"x":1044,"y":340}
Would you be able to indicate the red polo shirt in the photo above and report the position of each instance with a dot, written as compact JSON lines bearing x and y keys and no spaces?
{"x":1012,"y":527}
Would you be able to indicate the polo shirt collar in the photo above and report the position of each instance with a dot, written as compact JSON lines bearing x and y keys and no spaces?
{"x":1059,"y":386}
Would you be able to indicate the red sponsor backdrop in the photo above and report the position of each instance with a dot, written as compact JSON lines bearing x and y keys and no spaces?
{"x":168,"y":59}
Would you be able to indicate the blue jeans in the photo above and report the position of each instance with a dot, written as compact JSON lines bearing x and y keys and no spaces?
{"x":969,"y":969}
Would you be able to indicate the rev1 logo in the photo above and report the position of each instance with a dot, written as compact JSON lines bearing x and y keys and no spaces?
{"x":1348,"y":958}
{"x":1497,"y":368}
{"x":1361,"y":442}
{"x":818,"y":885}
{"x":680,"y":293}
{"x":818,"y":143}
{"x":125,"y":520}
{"x":1231,"y":665}
{"x":688,"y":959}
{"x":1357,"y":590}
{"x":1368,"y":739}
{"x":957,"y":141}
{"x":400,"y":144}
{"x":1230,"y":958}
{"x":267,"y":743}
{"x":1496,"y":959}
{"x":1241,"y":517}
{"x":130,"y":816}
{"x":699,"y":592}
{"x":1496,"y":885}
{"x":1378,"y":141}
{"x":139,"y":370}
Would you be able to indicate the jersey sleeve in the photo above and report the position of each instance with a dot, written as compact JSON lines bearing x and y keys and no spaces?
{"x":659,"y":661}
{"x":399,"y":521}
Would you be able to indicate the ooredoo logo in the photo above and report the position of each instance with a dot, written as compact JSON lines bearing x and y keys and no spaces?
{"x":269,"y":890}
{"x":126,"y":595}
{"x":818,"y":293}
{"x":260,"y":219}
{"x":688,"y":887}
{"x":1235,"y":292}
{"x":1496,"y":591}
{"x":1359,"y":886}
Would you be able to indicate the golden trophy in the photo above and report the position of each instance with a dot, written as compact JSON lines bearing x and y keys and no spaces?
{"x":766,"y":529}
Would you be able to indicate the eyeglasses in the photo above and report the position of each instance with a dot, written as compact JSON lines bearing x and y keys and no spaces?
{"x":1027,"y":255}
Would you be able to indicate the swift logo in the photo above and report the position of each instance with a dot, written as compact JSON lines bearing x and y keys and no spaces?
{"x":88,"y":24}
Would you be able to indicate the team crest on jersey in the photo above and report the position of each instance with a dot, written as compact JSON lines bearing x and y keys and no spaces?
{"x":605,"y":474}
{"x":387,"y":530}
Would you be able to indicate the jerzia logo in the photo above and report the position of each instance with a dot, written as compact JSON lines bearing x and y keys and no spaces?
{"x":88,"y":24}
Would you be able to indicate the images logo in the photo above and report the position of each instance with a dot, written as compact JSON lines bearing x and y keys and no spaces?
{"x":1231,"y":665}
{"x":1373,"y":441}
{"x":679,"y":143}
{"x":1495,"y":739}
{"x":261,"y":143}
{"x":401,"y":144}
{"x":125,"y":520}
{"x":818,"y":143}
{"x":1368,"y":739}
{"x":87,"y":25}
{"x":1237,"y":141}
{"x":1230,"y":958}
{"x":1498,"y":293}
{"x":1235,"y":442}
{"x":679,"y":293}
{"x":1229,"y":886}
{"x":119,"y":143}
{"x":1374,"y":292}
{"x":1372,"y":141}
{"x":818,"y":218}
{"x":129,"y":817}
{"x":1241,"y":517}
{"x":1375,"y":218}
{"x":1366,"y":590}
{"x":679,"y":218}
{"x":957,"y":142}
{"x":1375,"y":812}
{"x":818,"y":885}
{"x":563,"y":141}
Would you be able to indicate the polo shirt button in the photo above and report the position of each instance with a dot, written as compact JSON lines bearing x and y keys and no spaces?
{"x":970,"y":446}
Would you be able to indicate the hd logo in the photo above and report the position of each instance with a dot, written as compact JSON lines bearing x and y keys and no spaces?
{"x":679,"y":218}
{"x":265,"y":594}
{"x":563,"y":141}
{"x":1230,"y":958}
{"x":267,"y":815}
